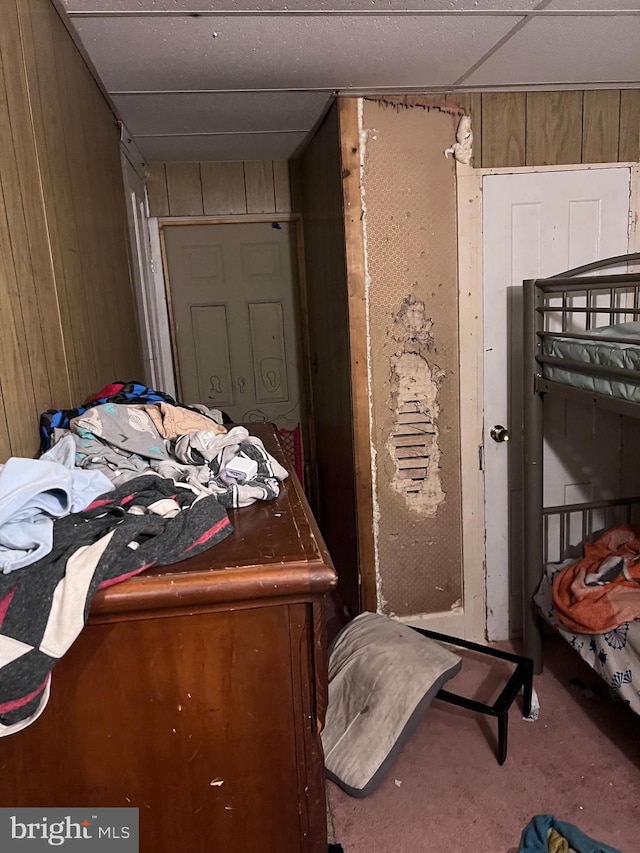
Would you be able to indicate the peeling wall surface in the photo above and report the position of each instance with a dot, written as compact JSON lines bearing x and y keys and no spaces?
{"x":409,"y":187}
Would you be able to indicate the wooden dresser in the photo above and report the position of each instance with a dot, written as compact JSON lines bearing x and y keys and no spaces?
{"x":196,"y":693}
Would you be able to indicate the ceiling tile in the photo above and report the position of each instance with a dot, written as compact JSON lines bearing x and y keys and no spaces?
{"x":233,"y":112}
{"x":296,"y":5}
{"x":258,"y":146}
{"x":579,"y":50}
{"x":256,"y":53}
{"x":608,"y":6}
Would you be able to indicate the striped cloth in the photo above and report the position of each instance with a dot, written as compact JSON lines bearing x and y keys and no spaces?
{"x":146,"y":522}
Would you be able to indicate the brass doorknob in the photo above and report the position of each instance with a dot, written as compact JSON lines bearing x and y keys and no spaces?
{"x":499,"y":433}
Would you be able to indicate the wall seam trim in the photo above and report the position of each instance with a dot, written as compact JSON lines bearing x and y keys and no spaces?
{"x":362,"y":134}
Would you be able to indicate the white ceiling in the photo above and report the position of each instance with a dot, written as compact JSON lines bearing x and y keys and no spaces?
{"x":249,"y":79}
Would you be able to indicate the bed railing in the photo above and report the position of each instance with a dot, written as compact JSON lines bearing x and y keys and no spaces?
{"x":566,"y":305}
{"x":568,"y":527}
{"x":571,"y":309}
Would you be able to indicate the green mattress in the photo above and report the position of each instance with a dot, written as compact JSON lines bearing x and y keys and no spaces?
{"x":590,"y":350}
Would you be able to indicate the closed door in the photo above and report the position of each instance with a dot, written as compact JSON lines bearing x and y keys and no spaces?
{"x":233,"y":291}
{"x":539,"y":224}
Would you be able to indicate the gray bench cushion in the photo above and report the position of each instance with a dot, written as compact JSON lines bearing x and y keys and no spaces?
{"x":382,"y":678}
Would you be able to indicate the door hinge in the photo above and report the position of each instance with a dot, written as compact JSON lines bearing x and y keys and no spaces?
{"x":481,"y":457}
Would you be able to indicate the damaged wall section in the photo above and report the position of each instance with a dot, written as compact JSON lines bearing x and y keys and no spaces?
{"x":413,"y":440}
{"x":409,"y":185}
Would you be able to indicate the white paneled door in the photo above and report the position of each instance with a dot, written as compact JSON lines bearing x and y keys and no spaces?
{"x":233,"y":294}
{"x":538,"y":224}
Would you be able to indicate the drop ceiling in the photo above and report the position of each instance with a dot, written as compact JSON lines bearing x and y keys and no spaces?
{"x":250,"y":79}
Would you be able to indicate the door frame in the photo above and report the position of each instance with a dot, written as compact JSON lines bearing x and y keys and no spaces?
{"x":157,"y":369}
{"x":239,"y":219}
{"x":471,"y":333}
{"x":161,"y":300}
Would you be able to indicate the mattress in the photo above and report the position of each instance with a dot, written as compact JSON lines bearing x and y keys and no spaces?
{"x":592,"y":351}
{"x":615,"y":656}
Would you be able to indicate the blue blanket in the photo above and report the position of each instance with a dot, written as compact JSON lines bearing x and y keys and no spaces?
{"x":534,"y":837}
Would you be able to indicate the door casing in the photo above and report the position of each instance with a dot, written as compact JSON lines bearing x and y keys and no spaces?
{"x":471,"y":328}
{"x":159,"y":299}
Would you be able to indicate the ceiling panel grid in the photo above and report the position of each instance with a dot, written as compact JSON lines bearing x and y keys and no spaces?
{"x":250,"y":79}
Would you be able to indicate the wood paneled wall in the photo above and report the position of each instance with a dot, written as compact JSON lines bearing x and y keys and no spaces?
{"x":219,"y":189}
{"x":553,"y":128}
{"x":329,"y":347}
{"x":545,"y":128}
{"x":67,"y":321}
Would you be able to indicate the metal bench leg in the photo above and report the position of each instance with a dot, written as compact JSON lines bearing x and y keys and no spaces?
{"x":503,"y":732}
{"x":527,"y":691}
{"x":521,"y":679}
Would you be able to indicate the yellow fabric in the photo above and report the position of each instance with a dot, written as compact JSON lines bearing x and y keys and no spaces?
{"x":557,"y":843}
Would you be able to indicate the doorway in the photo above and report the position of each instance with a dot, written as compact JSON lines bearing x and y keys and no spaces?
{"x":233,"y":295}
{"x":537,"y":224}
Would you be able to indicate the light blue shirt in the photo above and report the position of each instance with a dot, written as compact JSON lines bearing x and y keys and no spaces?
{"x":33,"y":492}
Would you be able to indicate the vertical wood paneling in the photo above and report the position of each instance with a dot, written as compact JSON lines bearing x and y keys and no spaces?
{"x":47,"y":355}
{"x":504,"y":125}
{"x":93,"y":154}
{"x":295,"y":185}
{"x":551,"y":128}
{"x":281,"y":186}
{"x":258,"y":176}
{"x":19,"y":165}
{"x":226,"y":189}
{"x":23,"y":362}
{"x":629,"y":145}
{"x":68,"y":324}
{"x":20,"y":408}
{"x":84,"y":203}
{"x":328,"y":329}
{"x":223,"y":188}
{"x":157,"y":190}
{"x":116,"y":344}
{"x":548,"y":128}
{"x":554,"y":128}
{"x":600,"y":126}
{"x":49,"y":107}
{"x":94,"y":299}
{"x":184,"y":188}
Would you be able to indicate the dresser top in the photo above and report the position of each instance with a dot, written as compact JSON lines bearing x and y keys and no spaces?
{"x":275,"y":550}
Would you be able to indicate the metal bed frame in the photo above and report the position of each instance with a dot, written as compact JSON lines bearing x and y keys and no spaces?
{"x":555,"y":297}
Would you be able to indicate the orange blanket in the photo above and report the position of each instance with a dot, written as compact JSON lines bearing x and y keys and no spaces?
{"x":601,"y":590}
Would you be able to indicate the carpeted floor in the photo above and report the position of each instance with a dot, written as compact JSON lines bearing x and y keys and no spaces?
{"x":447,"y":794}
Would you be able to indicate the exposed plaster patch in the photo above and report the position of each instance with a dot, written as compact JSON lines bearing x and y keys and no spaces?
{"x":462,"y":148}
{"x":414,"y":385}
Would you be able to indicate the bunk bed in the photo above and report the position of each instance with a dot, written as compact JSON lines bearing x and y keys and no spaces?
{"x":581,"y":342}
